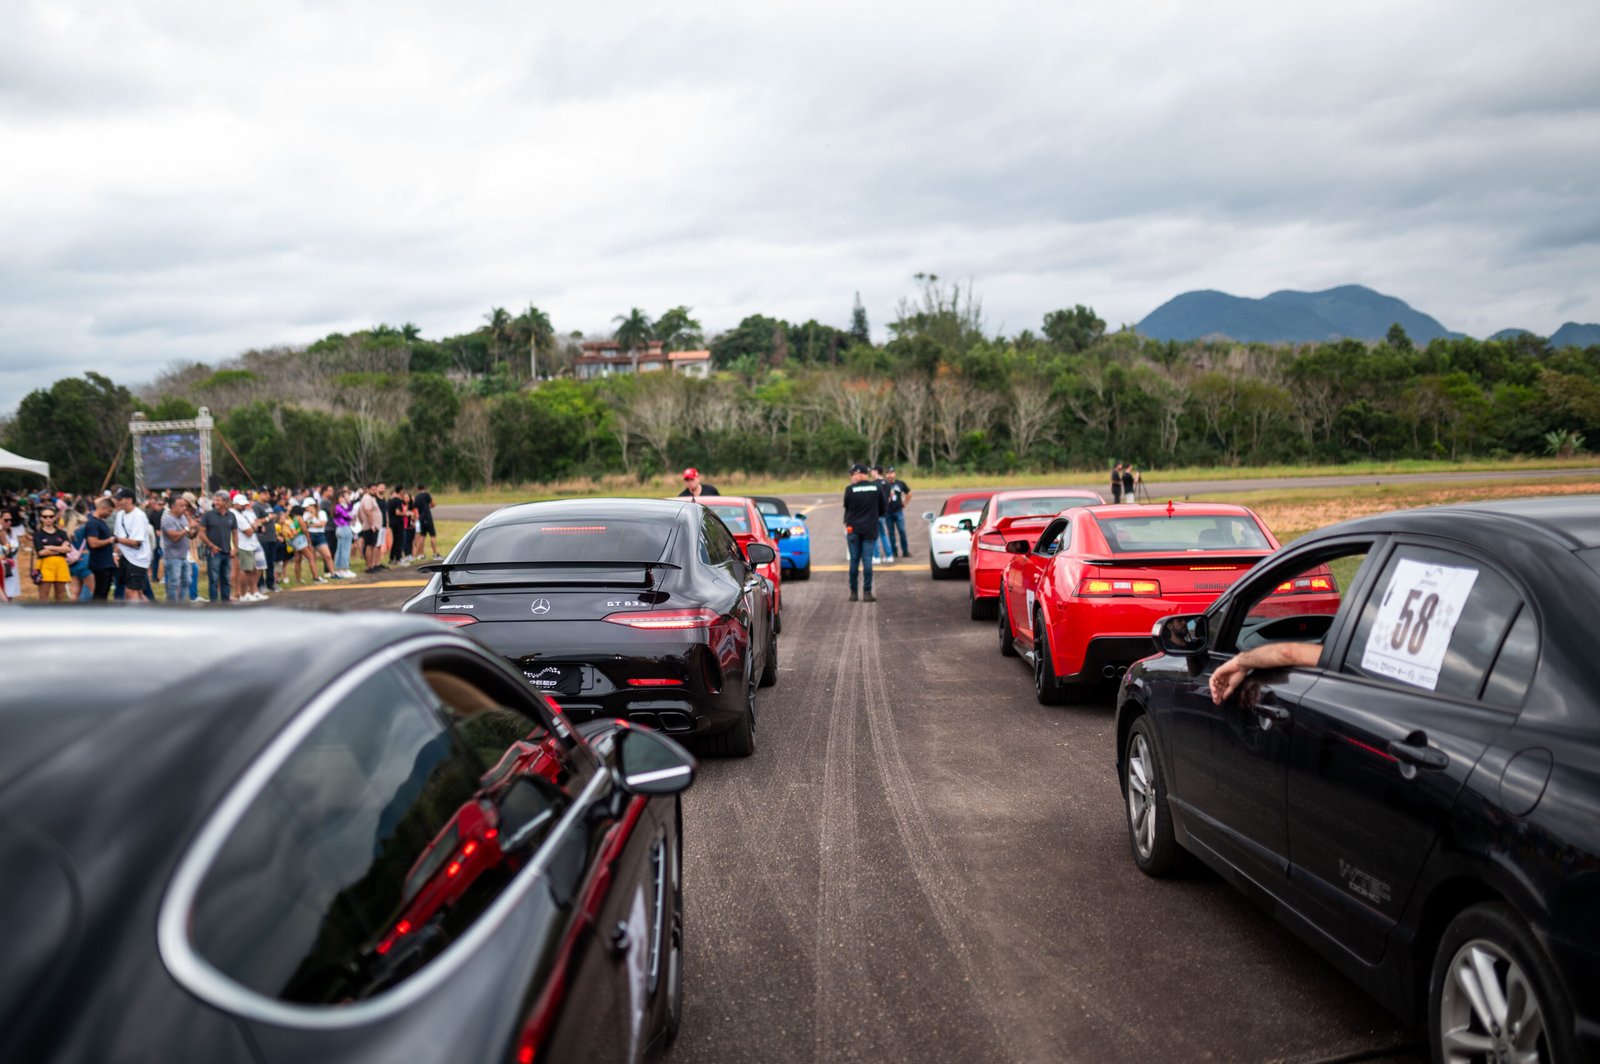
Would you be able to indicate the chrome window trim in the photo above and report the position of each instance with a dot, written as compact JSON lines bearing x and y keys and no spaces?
{"x":201,"y":978}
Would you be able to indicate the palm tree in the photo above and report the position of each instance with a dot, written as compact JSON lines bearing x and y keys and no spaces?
{"x":499,"y":325}
{"x":634,"y":330}
{"x":677,"y":331}
{"x":534,"y":328}
{"x":410,"y":332}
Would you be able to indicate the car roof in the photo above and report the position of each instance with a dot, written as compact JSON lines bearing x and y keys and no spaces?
{"x":142,"y":669}
{"x":1039,"y":493}
{"x":1179,"y":509}
{"x":602,"y":509}
{"x":1571,"y":521}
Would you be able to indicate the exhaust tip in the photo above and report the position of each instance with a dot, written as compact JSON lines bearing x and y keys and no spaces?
{"x":1109,"y":672}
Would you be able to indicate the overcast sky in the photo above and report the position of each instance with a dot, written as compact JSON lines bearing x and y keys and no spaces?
{"x":183,"y":181}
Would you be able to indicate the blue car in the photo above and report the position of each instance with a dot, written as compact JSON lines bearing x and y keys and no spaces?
{"x":794,"y":541}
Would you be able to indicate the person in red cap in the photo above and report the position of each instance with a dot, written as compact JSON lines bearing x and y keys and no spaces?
{"x":692,"y":485}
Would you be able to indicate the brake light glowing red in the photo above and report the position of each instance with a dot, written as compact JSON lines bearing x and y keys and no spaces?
{"x":1120,"y":588}
{"x":455,"y":620}
{"x":1305,"y":585}
{"x":667,"y":620}
{"x":470,"y":848}
{"x":654,"y":681}
{"x":572,"y":530}
{"x":452,"y":869}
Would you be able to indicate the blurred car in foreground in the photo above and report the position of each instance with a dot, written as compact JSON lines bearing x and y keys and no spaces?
{"x":950,"y":533}
{"x":790,"y":532}
{"x":325,"y":837}
{"x":1010,"y":517}
{"x":1078,"y":602}
{"x":1420,"y":801}
{"x":634,"y":608}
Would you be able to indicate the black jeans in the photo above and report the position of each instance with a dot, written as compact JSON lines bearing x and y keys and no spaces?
{"x":102,"y":583}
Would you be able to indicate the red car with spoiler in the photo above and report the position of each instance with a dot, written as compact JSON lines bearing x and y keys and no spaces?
{"x":1011,"y":517}
{"x":1079,"y":601}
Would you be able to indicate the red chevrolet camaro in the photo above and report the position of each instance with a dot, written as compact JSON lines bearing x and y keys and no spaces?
{"x":745,"y":522}
{"x":1009,"y":517}
{"x":1080,"y":600}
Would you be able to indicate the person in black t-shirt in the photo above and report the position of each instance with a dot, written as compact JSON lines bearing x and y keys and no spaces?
{"x":693,"y":486}
{"x":863,"y":506}
{"x":102,"y":557}
{"x":422,"y":507}
{"x":50,"y":568}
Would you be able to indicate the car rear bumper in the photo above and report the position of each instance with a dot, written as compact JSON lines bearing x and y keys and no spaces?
{"x":1107,"y":657}
{"x":793,"y":557}
{"x":708,"y":696}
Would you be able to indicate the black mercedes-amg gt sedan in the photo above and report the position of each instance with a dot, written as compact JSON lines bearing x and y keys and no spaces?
{"x":1411,"y":783}
{"x":283,"y":837}
{"x":640,"y":609}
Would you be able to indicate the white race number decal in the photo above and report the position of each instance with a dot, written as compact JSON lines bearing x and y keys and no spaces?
{"x":1418,"y":614}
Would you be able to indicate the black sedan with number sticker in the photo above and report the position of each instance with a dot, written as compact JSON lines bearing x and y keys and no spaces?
{"x":1412,"y":786}
{"x":639,"y":609}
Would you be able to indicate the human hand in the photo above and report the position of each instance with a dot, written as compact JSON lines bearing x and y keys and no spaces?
{"x":1226,"y":680}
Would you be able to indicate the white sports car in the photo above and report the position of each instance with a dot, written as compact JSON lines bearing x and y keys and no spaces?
{"x":950,"y":533}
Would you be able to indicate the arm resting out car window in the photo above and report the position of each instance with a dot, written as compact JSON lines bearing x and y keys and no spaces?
{"x":1226,"y":680}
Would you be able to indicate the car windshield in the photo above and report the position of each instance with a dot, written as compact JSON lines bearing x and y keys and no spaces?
{"x":1158,"y":532}
{"x":736,"y":518}
{"x":1042,"y":505}
{"x":574,"y":540}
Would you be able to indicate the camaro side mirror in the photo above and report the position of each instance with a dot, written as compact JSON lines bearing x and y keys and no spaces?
{"x":650,"y":763}
{"x":1181,"y":635}
{"x":1017,"y":546}
{"x":760,"y":554}
{"x":927,"y":515}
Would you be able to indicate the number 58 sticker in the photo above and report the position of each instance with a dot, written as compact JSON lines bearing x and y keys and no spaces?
{"x":1416,"y":617}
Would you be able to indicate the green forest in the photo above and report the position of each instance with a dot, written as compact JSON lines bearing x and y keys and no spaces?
{"x":500,"y":404}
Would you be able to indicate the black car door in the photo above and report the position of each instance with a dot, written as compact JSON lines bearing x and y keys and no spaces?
{"x":750,"y":607}
{"x":1233,"y":781}
{"x":1383,"y":744}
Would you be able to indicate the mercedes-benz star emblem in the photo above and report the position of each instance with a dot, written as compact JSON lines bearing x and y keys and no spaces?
{"x":541,"y":605}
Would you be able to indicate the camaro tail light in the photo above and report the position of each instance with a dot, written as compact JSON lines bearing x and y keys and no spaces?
{"x":455,"y":619}
{"x":1102,"y":587}
{"x":1305,"y":585}
{"x":667,"y":620}
{"x":992,"y":541}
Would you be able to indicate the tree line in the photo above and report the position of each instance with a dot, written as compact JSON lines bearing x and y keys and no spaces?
{"x":500,"y":404}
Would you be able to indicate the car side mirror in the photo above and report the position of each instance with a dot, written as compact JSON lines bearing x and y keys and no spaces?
{"x":1017,"y":546}
{"x":927,"y":515}
{"x":760,"y":554}
{"x":801,"y":516}
{"x":1181,"y":635}
{"x":965,"y":524}
{"x":649,"y":763}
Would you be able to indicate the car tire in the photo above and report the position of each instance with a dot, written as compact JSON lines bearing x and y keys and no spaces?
{"x":769,"y":671}
{"x":933,"y":568}
{"x":1008,"y":646}
{"x":802,"y":574}
{"x":1047,"y":686}
{"x":981,"y":609}
{"x":739,"y":740}
{"x":1489,"y":942}
{"x":1144,"y":791}
{"x":777,"y":622}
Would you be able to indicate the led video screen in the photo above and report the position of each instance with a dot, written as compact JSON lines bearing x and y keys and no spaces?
{"x":171,"y":460}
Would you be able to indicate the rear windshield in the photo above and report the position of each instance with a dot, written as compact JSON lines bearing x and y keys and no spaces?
{"x":1047,"y":505}
{"x":1194,"y":532}
{"x":737,"y":520}
{"x":576,"y":540}
{"x":771,"y":506}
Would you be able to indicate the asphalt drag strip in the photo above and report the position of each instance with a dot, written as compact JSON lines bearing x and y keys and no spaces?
{"x":922,"y":863}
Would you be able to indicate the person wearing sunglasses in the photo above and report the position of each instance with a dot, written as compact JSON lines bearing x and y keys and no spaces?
{"x":51,"y":570}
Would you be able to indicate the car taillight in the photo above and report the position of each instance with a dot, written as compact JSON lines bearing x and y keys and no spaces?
{"x":654,"y":681}
{"x":1305,"y":585}
{"x":1099,"y":586}
{"x":455,"y":619}
{"x":666,"y":620}
{"x":992,"y":541}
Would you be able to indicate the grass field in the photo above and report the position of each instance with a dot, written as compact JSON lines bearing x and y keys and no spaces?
{"x":737,"y":483}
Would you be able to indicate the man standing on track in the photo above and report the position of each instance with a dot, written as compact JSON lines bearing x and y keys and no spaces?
{"x":693,"y":487}
{"x":1116,"y":483}
{"x":422,"y":508}
{"x":894,"y":520}
{"x":863,"y":507}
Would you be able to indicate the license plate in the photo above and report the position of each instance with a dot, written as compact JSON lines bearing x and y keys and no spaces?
{"x":556,"y":679}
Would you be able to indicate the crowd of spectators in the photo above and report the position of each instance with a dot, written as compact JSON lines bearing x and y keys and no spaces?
{"x":234,"y":545}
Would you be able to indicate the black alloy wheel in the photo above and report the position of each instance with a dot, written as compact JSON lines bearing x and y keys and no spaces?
{"x":1494,"y":995}
{"x":1008,"y":646}
{"x":1144,"y":787}
{"x":1046,"y":684}
{"x":739,"y":740}
{"x":980,"y":609}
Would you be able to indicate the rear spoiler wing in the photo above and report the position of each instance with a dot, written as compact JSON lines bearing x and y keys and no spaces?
{"x":444,"y":569}
{"x":1199,"y":557}
{"x":1006,"y":524}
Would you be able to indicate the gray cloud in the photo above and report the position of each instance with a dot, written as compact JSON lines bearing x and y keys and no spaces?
{"x":186,"y":184}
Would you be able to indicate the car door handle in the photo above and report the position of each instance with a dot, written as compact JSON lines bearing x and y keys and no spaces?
{"x":1269,"y":710}
{"x":1416,"y":751}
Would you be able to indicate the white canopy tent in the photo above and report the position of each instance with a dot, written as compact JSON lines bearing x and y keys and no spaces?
{"x":9,"y":461}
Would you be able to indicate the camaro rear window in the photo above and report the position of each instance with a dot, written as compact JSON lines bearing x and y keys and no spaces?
{"x":1041,"y":505}
{"x":576,"y":540}
{"x":1183,"y":533}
